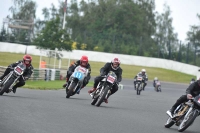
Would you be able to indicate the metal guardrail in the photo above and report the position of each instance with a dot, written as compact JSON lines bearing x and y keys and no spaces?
{"x":38,"y":74}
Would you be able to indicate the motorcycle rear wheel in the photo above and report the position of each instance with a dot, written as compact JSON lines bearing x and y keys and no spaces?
{"x":169,"y":123}
{"x":94,"y":101}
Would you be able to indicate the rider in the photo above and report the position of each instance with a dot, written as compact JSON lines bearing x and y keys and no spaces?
{"x":114,"y":66}
{"x":84,"y":63}
{"x":144,"y":75}
{"x":192,"y":91}
{"x":27,"y":74}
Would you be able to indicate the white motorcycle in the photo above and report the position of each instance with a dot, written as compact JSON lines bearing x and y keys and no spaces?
{"x":76,"y":81}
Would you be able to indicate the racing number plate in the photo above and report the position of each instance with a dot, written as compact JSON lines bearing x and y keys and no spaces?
{"x":139,"y":78}
{"x":199,"y":100}
{"x":19,"y":70}
{"x":111,"y":79}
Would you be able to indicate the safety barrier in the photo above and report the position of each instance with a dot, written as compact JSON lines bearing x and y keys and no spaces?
{"x":47,"y":74}
{"x":41,"y":74}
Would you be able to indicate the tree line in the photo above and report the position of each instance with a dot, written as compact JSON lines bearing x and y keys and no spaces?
{"x":130,"y":27}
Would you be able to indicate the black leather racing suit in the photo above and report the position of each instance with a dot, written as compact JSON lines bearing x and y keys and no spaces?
{"x":104,"y":71}
{"x":27,"y":74}
{"x":72,"y":68}
{"x":193,"y":89}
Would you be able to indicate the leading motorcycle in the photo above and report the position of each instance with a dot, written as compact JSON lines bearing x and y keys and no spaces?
{"x":184,"y":115}
{"x":76,"y":81}
{"x":104,"y":88}
{"x":12,"y":78}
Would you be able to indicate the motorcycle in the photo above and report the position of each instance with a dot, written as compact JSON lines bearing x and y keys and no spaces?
{"x":12,"y":78}
{"x":184,"y":115}
{"x":103,"y":89}
{"x":139,"y":85}
{"x":76,"y":81}
{"x":158,"y":86}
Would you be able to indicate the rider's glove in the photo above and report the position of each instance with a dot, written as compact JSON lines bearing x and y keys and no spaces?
{"x":189,"y":96}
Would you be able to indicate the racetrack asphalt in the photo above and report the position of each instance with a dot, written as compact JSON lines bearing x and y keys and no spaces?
{"x":48,"y":111}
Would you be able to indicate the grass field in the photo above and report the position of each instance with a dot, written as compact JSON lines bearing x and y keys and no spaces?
{"x":46,"y":85}
{"x":129,"y":71}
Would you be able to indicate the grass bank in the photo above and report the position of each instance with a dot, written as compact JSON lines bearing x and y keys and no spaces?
{"x":48,"y":85}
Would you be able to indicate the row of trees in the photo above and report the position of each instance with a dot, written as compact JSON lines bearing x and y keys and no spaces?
{"x":116,"y":26}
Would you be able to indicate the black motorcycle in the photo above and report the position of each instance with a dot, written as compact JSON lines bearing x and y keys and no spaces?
{"x":103,"y":89}
{"x":184,"y":115}
{"x":12,"y":78}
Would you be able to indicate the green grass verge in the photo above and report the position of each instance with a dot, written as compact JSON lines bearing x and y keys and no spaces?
{"x":129,"y":71}
{"x":48,"y":85}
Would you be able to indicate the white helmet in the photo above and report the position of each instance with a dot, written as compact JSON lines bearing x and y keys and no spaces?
{"x":155,"y":78}
{"x":143,"y":71}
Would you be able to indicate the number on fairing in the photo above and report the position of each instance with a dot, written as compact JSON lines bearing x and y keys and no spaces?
{"x":78,"y":75}
{"x":111,"y":79}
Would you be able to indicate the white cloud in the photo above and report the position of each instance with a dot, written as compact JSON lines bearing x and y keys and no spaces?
{"x":183,"y":14}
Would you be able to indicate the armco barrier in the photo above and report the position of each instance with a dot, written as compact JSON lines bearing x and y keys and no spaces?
{"x":41,"y":74}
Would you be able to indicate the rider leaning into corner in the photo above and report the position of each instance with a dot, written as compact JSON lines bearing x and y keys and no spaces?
{"x":27,"y":74}
{"x":114,"y":66}
{"x":84,"y":63}
{"x":192,"y":91}
{"x":144,"y":75}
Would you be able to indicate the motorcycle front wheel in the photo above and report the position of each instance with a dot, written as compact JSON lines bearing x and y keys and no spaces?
{"x":102,"y":96}
{"x":71,"y":88}
{"x":6,"y":86}
{"x":187,"y":121}
{"x":138,"y":89}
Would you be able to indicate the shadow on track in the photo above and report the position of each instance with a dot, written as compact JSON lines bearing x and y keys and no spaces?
{"x":18,"y":96}
{"x":74,"y":98}
{"x":175,"y":128}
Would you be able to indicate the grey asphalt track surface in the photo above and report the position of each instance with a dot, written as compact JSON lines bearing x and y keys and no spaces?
{"x":46,"y":111}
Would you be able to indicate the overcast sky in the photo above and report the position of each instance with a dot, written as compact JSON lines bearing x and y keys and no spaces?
{"x":183,"y":12}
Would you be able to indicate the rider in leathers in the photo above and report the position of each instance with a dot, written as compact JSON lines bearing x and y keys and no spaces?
{"x":144,"y":75}
{"x":192,"y":91}
{"x":27,"y":74}
{"x":114,"y":66}
{"x":84,"y":63}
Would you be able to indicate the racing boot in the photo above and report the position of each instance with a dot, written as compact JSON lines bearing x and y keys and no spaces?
{"x":92,"y":90}
{"x":67,"y":79}
{"x":171,"y":112}
{"x":14,"y":89}
{"x":106,"y":99}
